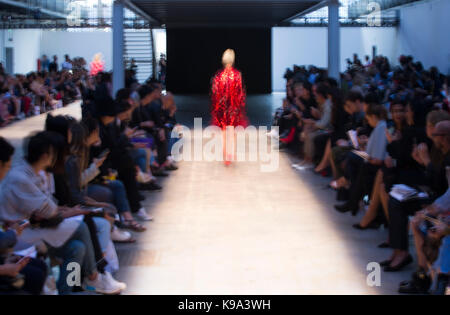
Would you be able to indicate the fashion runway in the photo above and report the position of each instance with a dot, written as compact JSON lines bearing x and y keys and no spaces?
{"x":237,"y":230}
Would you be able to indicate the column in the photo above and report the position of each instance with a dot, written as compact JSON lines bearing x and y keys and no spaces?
{"x":333,"y":39}
{"x":118,"y":47}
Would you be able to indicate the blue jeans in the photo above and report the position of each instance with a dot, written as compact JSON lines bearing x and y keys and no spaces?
{"x":443,"y":261}
{"x":140,"y":158}
{"x":103,"y":232}
{"x":172,"y":141}
{"x":77,"y":249}
{"x":119,"y":195}
{"x":112,"y":192}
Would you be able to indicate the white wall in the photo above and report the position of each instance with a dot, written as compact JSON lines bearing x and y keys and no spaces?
{"x":26,"y":48}
{"x":309,"y":46}
{"x":424,"y":33}
{"x":78,"y":44}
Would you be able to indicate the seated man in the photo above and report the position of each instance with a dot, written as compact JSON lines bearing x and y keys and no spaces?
{"x":146,"y":117}
{"x":34,"y":271}
{"x":361,"y":169}
{"x":22,"y":197}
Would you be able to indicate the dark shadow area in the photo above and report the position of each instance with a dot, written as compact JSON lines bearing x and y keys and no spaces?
{"x":194,"y":56}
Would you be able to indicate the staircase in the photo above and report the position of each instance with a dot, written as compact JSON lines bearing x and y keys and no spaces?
{"x":139,"y":46}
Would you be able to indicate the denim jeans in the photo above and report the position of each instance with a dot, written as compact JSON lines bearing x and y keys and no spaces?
{"x":103,"y":232}
{"x":112,"y":192}
{"x":77,"y":249}
{"x":119,"y":195}
{"x":172,"y":141}
{"x":140,"y":158}
{"x":443,"y":261}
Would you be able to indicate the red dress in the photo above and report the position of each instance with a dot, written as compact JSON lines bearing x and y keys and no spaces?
{"x":228,"y":99}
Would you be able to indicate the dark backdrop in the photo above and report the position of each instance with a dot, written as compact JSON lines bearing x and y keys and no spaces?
{"x":194,"y":56}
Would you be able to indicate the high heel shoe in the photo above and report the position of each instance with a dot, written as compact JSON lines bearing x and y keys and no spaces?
{"x":371,"y":225}
{"x":400,"y":266}
{"x":385,"y":263}
{"x":384,"y":245}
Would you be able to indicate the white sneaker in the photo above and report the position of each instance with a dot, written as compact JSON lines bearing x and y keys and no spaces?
{"x":102,"y":285}
{"x":118,"y":235}
{"x":143,"y":216}
{"x":143,"y":178}
{"x":302,"y":167}
{"x":121,"y":285}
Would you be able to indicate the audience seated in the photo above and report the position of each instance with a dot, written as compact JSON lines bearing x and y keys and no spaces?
{"x":23,"y":96}
{"x":383,"y":134}
{"x":80,"y":183}
{"x":381,"y":151}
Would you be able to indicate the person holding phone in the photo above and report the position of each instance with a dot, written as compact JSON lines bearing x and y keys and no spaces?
{"x":33,"y":271}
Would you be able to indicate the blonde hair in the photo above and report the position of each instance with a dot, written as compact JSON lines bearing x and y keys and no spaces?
{"x":228,"y":57}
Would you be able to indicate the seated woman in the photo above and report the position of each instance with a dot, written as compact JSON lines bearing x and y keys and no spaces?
{"x":361,"y":167}
{"x":119,"y":158}
{"x":136,"y":143}
{"x":320,"y":124}
{"x":22,"y":197}
{"x":399,"y":166}
{"x":362,"y":129}
{"x":431,"y":230}
{"x":434,"y":161}
{"x":340,"y":121}
{"x":115,"y":192}
{"x":67,"y":192}
{"x":77,"y":162}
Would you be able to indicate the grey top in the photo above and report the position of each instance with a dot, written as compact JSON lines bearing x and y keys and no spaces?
{"x":376,"y":147}
{"x":21,"y":195}
{"x":24,"y":193}
{"x":325,"y":120}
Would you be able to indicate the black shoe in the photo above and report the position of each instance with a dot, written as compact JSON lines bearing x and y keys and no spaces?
{"x":171,"y":167}
{"x":346,"y":207}
{"x":150,"y":186}
{"x":342,"y":194}
{"x":359,"y":227}
{"x":419,"y":284}
{"x":400,"y":266}
{"x":159,"y":172}
{"x":384,"y":245}
{"x":342,"y":208}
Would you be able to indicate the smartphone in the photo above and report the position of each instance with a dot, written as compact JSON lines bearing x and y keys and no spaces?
{"x":96,"y":210}
{"x":104,"y":154}
{"x":21,"y":260}
{"x":24,"y":222}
